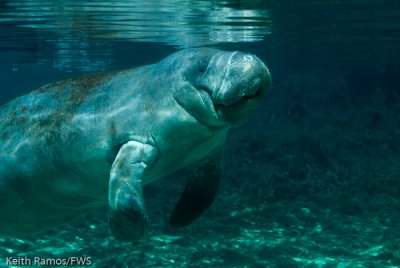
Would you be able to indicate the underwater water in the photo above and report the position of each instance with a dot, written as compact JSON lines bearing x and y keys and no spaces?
{"x":312,"y":179}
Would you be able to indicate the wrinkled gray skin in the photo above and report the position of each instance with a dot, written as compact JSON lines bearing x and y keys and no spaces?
{"x":75,"y":145}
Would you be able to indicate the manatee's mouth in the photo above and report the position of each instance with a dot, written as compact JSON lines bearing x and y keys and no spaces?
{"x":232,"y":112}
{"x":229,"y":111}
{"x":235,"y":111}
{"x":258,"y":94}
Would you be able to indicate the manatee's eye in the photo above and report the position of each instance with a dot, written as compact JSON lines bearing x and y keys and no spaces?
{"x":202,"y":70}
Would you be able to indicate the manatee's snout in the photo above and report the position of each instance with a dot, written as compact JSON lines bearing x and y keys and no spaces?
{"x":246,"y":77}
{"x":245,"y":81}
{"x":219,"y":88}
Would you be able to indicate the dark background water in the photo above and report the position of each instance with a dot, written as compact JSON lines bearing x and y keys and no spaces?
{"x":311,"y":179}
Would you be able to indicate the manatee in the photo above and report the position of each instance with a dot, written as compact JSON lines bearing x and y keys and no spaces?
{"x":72,"y":146}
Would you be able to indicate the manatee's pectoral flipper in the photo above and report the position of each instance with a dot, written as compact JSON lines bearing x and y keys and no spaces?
{"x":127,"y":215}
{"x":199,"y":193}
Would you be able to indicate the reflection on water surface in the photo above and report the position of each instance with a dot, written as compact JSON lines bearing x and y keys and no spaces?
{"x":180,"y":23}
